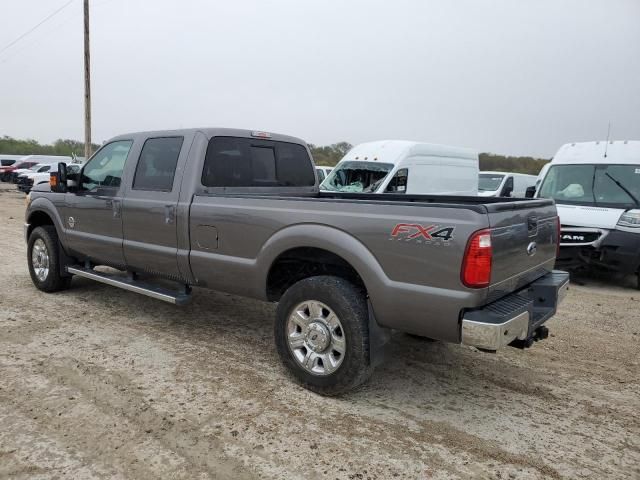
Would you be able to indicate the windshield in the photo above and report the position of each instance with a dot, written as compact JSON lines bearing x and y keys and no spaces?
{"x":488,"y":182}
{"x":616,"y":186}
{"x":356,"y":177}
{"x":6,"y":163}
{"x":37,"y":167}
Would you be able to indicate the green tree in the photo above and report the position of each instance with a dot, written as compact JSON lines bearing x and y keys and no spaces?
{"x":13,"y":146}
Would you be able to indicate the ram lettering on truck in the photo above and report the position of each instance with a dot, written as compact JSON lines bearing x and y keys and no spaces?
{"x":240,"y":212}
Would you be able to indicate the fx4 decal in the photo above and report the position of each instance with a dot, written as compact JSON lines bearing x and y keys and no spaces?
{"x":422,"y":233}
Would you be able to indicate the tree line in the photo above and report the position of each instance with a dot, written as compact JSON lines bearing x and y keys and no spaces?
{"x":327,"y":155}
{"x":14,"y":146}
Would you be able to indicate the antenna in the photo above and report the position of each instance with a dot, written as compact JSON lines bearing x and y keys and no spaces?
{"x":606,"y":143}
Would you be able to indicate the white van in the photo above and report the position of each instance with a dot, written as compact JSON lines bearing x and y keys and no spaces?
{"x":596,"y":186}
{"x":504,"y":184}
{"x":323,"y":172}
{"x":398,"y":166}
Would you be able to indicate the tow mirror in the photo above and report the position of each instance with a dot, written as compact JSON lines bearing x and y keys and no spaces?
{"x":58,"y":179}
{"x":530,"y":192}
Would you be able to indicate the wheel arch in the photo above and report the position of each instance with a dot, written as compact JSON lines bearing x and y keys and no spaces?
{"x":43,"y":212}
{"x":306,"y":250}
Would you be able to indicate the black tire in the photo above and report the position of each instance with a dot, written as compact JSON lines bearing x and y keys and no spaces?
{"x":350,"y":306}
{"x":53,"y":281}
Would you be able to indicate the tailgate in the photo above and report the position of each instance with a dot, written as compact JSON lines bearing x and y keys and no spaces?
{"x":524,"y":238}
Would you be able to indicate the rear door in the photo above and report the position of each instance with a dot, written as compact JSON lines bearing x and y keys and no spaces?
{"x":149,"y":207}
{"x":524,"y":236}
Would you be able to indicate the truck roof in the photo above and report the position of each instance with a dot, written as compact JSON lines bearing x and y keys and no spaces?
{"x":210,"y":132}
{"x":394,"y":151}
{"x":625,"y":152}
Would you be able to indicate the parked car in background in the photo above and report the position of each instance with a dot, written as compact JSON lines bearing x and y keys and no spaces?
{"x":504,"y":184}
{"x":596,"y":187}
{"x":397,"y":166}
{"x":7,"y":172}
{"x":11,"y":173}
{"x":323,"y":172}
{"x":240,"y":211}
{"x":19,"y":175}
{"x":8,"y":160}
{"x":28,"y":181}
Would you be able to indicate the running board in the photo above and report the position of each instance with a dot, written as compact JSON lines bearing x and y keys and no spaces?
{"x":159,"y":293}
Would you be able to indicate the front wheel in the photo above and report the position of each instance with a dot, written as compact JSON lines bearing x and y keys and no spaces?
{"x":44,"y":260}
{"x":322,"y":334}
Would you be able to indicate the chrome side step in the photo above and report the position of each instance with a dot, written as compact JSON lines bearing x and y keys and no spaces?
{"x":159,"y":293}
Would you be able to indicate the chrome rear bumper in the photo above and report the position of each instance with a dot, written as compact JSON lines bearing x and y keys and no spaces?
{"x":516,"y":316}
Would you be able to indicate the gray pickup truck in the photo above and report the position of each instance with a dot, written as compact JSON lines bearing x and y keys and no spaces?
{"x":240,"y":212}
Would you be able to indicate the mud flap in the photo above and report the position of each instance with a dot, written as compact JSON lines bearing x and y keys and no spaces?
{"x":64,"y":262}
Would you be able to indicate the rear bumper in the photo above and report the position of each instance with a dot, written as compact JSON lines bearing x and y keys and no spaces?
{"x":517,"y":316}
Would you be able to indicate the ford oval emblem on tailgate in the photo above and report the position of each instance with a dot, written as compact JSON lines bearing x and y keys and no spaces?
{"x":531,"y":249}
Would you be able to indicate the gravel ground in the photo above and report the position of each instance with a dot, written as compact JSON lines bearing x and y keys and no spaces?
{"x":96,"y":382}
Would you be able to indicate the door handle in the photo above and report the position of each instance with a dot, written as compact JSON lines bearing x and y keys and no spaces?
{"x":169,"y":214}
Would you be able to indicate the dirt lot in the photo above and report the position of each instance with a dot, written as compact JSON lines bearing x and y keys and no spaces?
{"x":96,"y":382}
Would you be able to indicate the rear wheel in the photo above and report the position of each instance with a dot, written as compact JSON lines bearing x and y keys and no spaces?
{"x":322,"y":334}
{"x":44,"y":260}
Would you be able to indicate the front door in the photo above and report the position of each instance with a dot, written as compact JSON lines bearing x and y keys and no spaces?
{"x":93,"y":215}
{"x":149,"y":208}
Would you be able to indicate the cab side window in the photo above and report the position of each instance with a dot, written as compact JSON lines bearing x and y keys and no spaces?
{"x":398,"y":183}
{"x":157,"y":164}
{"x":104,"y":171}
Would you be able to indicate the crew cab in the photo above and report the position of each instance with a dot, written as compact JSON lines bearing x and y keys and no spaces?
{"x":240,"y":212}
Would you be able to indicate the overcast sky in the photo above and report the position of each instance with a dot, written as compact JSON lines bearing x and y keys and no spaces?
{"x":505,"y":76}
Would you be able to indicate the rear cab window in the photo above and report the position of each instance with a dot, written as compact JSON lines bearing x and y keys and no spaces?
{"x":247,"y":162}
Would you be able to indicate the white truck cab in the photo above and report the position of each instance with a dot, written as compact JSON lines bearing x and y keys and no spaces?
{"x":596,"y":186}
{"x":504,"y":184}
{"x":398,"y":166}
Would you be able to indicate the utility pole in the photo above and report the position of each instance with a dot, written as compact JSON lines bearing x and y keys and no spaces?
{"x":87,"y":84}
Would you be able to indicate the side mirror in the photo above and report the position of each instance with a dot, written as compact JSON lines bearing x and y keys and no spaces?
{"x":530,"y":192}
{"x":58,"y":179}
{"x":507,"y":192}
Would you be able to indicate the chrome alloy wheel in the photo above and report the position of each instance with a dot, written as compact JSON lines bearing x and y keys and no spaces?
{"x":40,"y":259}
{"x":316,"y":337}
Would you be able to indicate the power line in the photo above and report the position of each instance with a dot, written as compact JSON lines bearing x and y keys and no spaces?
{"x":36,"y":26}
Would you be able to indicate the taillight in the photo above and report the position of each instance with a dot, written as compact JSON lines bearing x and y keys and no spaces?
{"x":558,"y":236}
{"x":476,"y":264}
